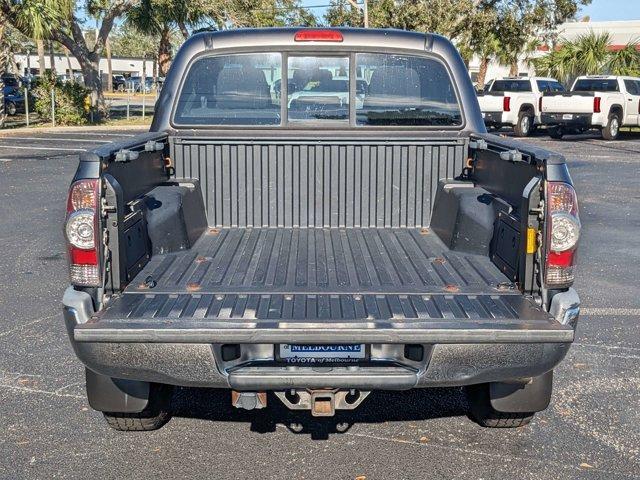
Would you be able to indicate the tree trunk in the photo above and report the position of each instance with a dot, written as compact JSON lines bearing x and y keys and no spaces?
{"x":183,"y":30}
{"x":52,"y":59}
{"x":107,"y":50}
{"x":482,"y":73}
{"x":164,"y":51}
{"x":41,"y":66}
{"x":89,"y":64}
{"x":66,"y":54}
{"x":514,"y":70}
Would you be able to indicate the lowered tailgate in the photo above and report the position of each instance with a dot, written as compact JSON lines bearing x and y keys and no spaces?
{"x":321,"y":286}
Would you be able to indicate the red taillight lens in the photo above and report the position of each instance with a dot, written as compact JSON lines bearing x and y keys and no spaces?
{"x":597,"y":105}
{"x":318,"y":36}
{"x":563,"y":233}
{"x":81,"y":230}
{"x":506,"y":104}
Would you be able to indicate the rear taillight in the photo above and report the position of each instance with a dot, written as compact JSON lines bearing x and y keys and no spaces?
{"x":81,"y":231}
{"x":597,"y":105}
{"x":563,"y":233}
{"x":540,"y":104}
{"x":506,"y":104}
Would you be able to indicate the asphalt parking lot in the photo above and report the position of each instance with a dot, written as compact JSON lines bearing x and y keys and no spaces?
{"x":47,"y":430}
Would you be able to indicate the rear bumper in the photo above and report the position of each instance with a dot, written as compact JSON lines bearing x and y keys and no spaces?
{"x":180,"y":353}
{"x":577,"y":120}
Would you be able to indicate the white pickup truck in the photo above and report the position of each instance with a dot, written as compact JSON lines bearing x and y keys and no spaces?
{"x":515,"y":102}
{"x":603,"y":102}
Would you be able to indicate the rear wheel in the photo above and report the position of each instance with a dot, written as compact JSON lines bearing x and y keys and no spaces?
{"x":524,"y":125}
{"x":485,"y":415}
{"x":157,"y":413}
{"x":12,"y":109}
{"x":556,"y":132}
{"x":612,"y":129}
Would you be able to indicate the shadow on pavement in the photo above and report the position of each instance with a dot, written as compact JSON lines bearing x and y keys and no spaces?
{"x":379,"y":407}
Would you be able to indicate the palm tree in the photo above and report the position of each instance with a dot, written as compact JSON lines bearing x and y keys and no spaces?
{"x":38,"y":19}
{"x":592,"y":52}
{"x":589,"y":54}
{"x":625,"y":61}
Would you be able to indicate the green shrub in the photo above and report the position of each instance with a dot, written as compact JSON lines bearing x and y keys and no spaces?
{"x":69,"y":101}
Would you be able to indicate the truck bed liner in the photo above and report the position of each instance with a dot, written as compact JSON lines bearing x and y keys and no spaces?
{"x":314,"y":261}
{"x":321,"y":285}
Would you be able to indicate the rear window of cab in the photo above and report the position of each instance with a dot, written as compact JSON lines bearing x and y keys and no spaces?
{"x":249,"y":90}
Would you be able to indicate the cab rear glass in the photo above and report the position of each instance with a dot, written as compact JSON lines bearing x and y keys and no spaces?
{"x":355,"y":89}
{"x":511,"y":86}
{"x":596,"y":85}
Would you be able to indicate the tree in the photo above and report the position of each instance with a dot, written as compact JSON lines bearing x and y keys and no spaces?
{"x":446,"y":17}
{"x":37,"y":19}
{"x":160,"y":18}
{"x":343,"y":14}
{"x":625,"y":61}
{"x":524,"y":24}
{"x":589,"y":54}
{"x":59,"y":20}
{"x":259,"y":13}
{"x":127,"y":41}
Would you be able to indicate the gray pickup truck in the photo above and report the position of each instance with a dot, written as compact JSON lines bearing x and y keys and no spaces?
{"x":353,"y":228}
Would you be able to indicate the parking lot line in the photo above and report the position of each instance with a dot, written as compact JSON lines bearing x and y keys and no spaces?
{"x":59,"y":139}
{"x":613,"y":312}
{"x":45,"y":148}
{"x":99,"y":134}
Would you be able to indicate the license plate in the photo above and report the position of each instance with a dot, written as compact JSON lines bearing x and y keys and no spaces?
{"x":567,"y":116}
{"x":323,"y":353}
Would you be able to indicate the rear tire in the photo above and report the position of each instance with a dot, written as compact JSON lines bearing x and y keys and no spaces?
{"x":612,"y":129}
{"x":524,"y":125}
{"x":12,"y":109}
{"x":485,"y":415}
{"x":556,"y":132}
{"x":157,"y":413}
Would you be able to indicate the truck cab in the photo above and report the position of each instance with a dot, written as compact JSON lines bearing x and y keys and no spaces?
{"x":606,"y":103}
{"x":314,"y":249}
{"x":515,"y":102}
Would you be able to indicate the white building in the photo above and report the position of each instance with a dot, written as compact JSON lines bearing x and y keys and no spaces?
{"x":120,"y":65}
{"x":622,"y":33}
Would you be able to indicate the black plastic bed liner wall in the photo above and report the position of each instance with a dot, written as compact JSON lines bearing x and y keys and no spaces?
{"x":319,"y":261}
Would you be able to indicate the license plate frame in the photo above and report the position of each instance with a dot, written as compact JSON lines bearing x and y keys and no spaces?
{"x":322,"y":353}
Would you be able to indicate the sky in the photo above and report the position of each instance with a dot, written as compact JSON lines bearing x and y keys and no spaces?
{"x":602,"y":10}
{"x":599,"y":10}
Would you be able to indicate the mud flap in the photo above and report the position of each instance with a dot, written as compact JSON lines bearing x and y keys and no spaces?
{"x":107,"y":394}
{"x":518,"y":397}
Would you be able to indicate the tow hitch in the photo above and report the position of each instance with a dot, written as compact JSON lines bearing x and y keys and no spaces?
{"x":322,"y":403}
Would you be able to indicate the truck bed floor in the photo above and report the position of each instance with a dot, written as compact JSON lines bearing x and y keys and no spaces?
{"x":314,"y":261}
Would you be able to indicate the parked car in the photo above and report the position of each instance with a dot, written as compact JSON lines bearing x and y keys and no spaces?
{"x":14,"y":102}
{"x":13,"y":95}
{"x":119,"y":83}
{"x":515,"y":102}
{"x":606,"y":103}
{"x":10,"y":83}
{"x":393,"y":246}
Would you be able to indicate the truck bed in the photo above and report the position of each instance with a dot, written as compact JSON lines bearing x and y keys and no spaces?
{"x":389,"y":283}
